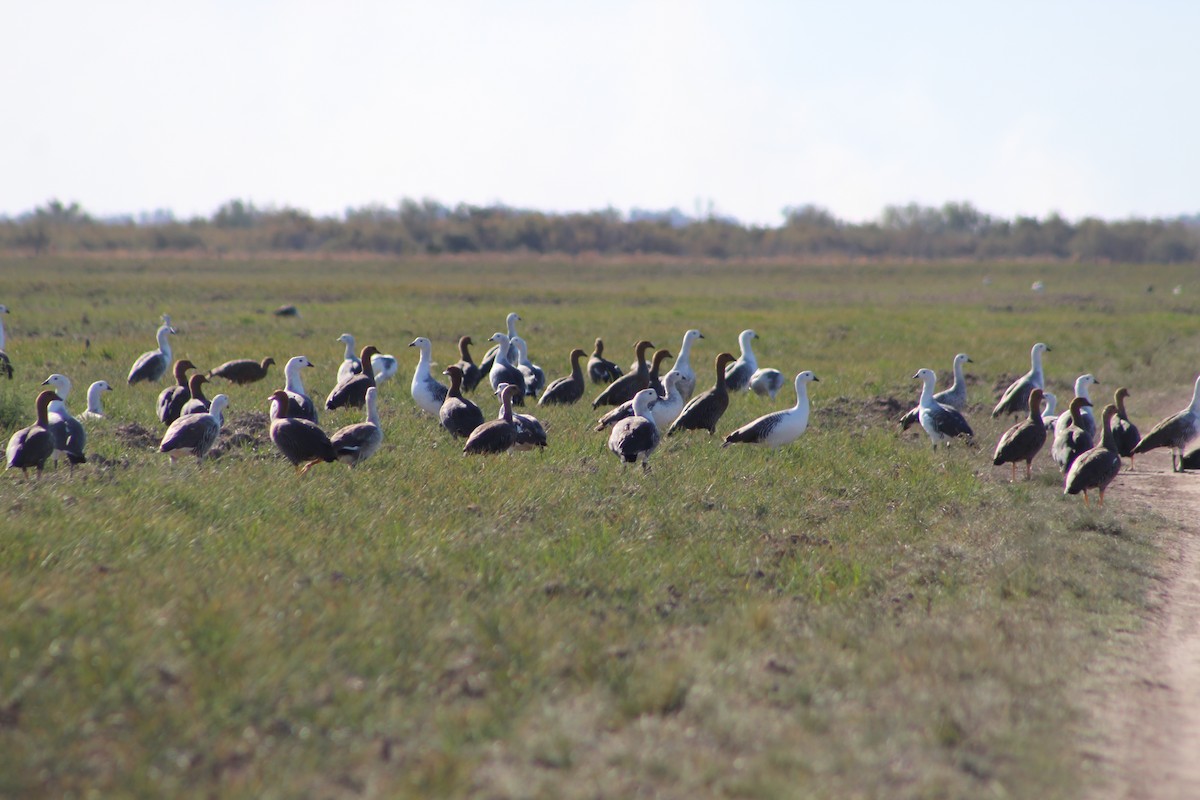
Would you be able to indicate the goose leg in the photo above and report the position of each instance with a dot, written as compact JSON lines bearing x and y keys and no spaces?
{"x":1014,"y":472}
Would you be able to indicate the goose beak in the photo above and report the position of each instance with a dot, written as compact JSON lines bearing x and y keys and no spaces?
{"x":815,"y":378}
{"x":970,"y":360}
{"x":46,"y":382}
{"x":916,"y":376}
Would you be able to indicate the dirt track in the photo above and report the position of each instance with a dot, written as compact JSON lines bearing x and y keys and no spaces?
{"x":1149,"y":699}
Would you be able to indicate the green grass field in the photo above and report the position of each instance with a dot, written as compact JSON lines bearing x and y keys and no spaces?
{"x":851,"y":616}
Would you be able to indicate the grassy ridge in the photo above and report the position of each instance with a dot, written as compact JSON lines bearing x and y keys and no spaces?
{"x":853,"y":615}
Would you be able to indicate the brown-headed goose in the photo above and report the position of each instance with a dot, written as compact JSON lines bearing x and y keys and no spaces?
{"x":300,"y":441}
{"x":1175,"y":431}
{"x":530,"y":431}
{"x":497,"y":435}
{"x":635,"y":437}
{"x":243,"y":370}
{"x":1125,"y":434}
{"x":1072,"y":440}
{"x":503,"y":371}
{"x":458,"y":414}
{"x":941,"y":423}
{"x":31,"y":446}
{"x":955,"y":397}
{"x":781,"y":427}
{"x":599,"y":368}
{"x":195,"y":432}
{"x":353,"y":393}
{"x":655,"y":365}
{"x":172,"y":398}
{"x":426,"y":390}
{"x":94,"y":396}
{"x":69,"y":436}
{"x":568,"y":390}
{"x":358,"y":442}
{"x":151,"y":365}
{"x":626,"y":386}
{"x":1016,"y":397}
{"x":704,"y":411}
{"x":5,"y":364}
{"x":1096,"y":468}
{"x":299,"y":403}
{"x":471,"y":374}
{"x":737,"y":377}
{"x":197,"y":403}
{"x":664,"y":409}
{"x":1024,"y":440}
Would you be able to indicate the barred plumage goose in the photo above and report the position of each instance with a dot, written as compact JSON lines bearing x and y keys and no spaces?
{"x":1175,"y":432}
{"x":1016,"y":397}
{"x":781,"y":427}
{"x":151,"y":365}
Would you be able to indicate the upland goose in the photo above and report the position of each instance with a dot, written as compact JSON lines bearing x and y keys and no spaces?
{"x":1016,"y":397}
{"x":737,"y":377}
{"x":358,"y":442}
{"x":458,"y":414}
{"x":1024,"y":440}
{"x":781,"y":427}
{"x":535,"y":377}
{"x":955,"y":397}
{"x":503,"y":371}
{"x":497,"y":435}
{"x":353,"y":393}
{"x":635,"y":437}
{"x":195,"y":432}
{"x":655,"y":382}
{"x":510,"y":352}
{"x":1125,"y":434}
{"x":941,"y":423}
{"x":426,"y":390}
{"x":626,"y":386}
{"x":704,"y":411}
{"x":766,"y":382}
{"x":243,"y":370}
{"x":1050,"y":412}
{"x":664,"y":409}
{"x":599,"y":368}
{"x":94,"y":397}
{"x":1071,"y":440}
{"x":568,"y":390}
{"x":172,"y":398}
{"x":530,"y":431}
{"x":5,"y":364}
{"x":299,"y":403}
{"x":1096,"y":468}
{"x":302,"y":443}
{"x":683,"y":364}
{"x":1190,"y":460}
{"x":1175,"y":432}
{"x":151,"y":365}
{"x":197,"y":403}
{"x":69,"y":436}
{"x":31,"y":446}
{"x":471,"y":374}
{"x":1081,"y":390}
{"x":385,"y":366}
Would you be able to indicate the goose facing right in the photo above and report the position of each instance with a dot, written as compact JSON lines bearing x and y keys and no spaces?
{"x":1098,"y":467}
{"x":781,"y":427}
{"x":32,"y":445}
{"x":1016,"y":397}
{"x":1024,"y":440}
{"x":151,"y":365}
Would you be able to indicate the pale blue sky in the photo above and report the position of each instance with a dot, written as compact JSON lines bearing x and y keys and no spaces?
{"x":1085,"y":108}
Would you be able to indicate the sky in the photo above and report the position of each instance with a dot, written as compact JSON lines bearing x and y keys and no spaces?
{"x":742,"y":108}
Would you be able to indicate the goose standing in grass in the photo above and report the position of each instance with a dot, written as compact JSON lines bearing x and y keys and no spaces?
{"x":635,"y":437}
{"x":1016,"y":397}
{"x":737,"y":377}
{"x":300,"y":441}
{"x":151,"y":365}
{"x":664,"y":408}
{"x":242,"y":371}
{"x":385,"y":366}
{"x":1125,"y":434}
{"x":172,"y":398}
{"x":503,"y":371}
{"x":458,"y":414}
{"x":299,"y":403}
{"x":1174,"y":432}
{"x":497,"y":435}
{"x":425,"y":389}
{"x":355,"y":443}
{"x":535,"y":377}
{"x":1050,"y":413}
{"x":955,"y":397}
{"x":5,"y":364}
{"x":655,"y":382}
{"x":599,"y":368}
{"x":530,"y":431}
{"x":766,"y":382}
{"x":1024,"y":440}
{"x":941,"y":423}
{"x":1081,"y":390}
{"x":471,"y":374}
{"x":196,"y":433}
{"x":69,"y":436}
{"x":626,"y":386}
{"x":781,"y":427}
{"x":31,"y":446}
{"x":353,"y":393}
{"x":510,"y":352}
{"x":683,"y":364}
{"x":94,"y":396}
{"x":704,"y":411}
{"x":1071,"y":440}
{"x":1096,"y":468}
{"x":568,"y":390}
{"x":197,"y":403}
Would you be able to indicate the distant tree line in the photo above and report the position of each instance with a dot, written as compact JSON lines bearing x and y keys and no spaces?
{"x":955,"y":231}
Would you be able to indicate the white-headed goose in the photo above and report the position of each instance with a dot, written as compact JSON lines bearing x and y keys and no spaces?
{"x":299,"y":403}
{"x":384,"y":366}
{"x":664,"y":409}
{"x":737,"y":376}
{"x":683,"y":364}
{"x":510,"y":352}
{"x":635,"y":437}
{"x":70,"y":438}
{"x":1081,"y":390}
{"x":94,"y":397}
{"x":1071,"y":440}
{"x":1024,"y":440}
{"x":1016,"y":397}
{"x":766,"y":382}
{"x":1096,"y":468}
{"x":196,"y":433}
{"x":781,"y":427}
{"x":1175,"y":431}
{"x":955,"y":397}
{"x":31,"y":446}
{"x":503,"y":371}
{"x":151,"y":365}
{"x":535,"y":377}
{"x":355,"y":443}
{"x":426,"y":391}
{"x":941,"y":423}
{"x":300,"y":441}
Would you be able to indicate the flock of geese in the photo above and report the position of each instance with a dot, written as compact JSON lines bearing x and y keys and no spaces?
{"x":646,"y":405}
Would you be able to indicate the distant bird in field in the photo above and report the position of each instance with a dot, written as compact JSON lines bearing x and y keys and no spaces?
{"x":426,"y":390}
{"x":299,"y":403}
{"x":242,"y":370}
{"x":356,"y":443}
